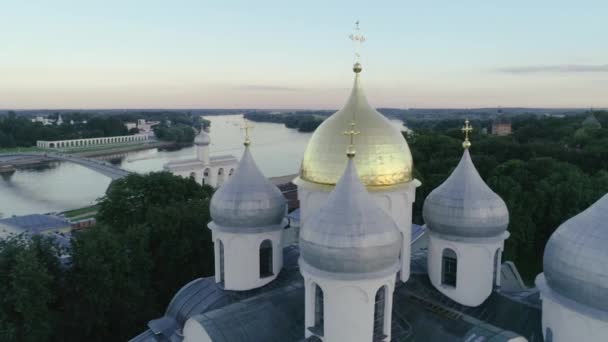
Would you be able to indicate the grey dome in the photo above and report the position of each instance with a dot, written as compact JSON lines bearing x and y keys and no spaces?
{"x":350,"y":233}
{"x":576,"y":256}
{"x":202,"y":138}
{"x":465,"y":206}
{"x":247,"y":199}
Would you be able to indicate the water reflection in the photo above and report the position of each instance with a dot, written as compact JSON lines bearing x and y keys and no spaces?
{"x":62,"y":186}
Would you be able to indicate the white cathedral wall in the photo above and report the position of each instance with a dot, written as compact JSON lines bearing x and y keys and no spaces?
{"x":195,"y":332}
{"x":474,"y":271}
{"x":202,"y":153}
{"x":242,"y":258}
{"x":568,"y":325}
{"x":348,"y":306}
{"x":398,"y":203}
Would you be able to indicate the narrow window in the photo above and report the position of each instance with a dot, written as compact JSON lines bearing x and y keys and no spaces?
{"x":319,"y":327}
{"x":266,"y":259}
{"x":221,"y":260}
{"x":549,"y":335}
{"x":449,"y":267}
{"x":497,"y":264}
{"x":379,"y":318}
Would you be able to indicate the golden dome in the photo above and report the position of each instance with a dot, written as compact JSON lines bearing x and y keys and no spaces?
{"x":383,"y":156}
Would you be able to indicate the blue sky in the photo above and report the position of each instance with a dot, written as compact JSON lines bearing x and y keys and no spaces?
{"x":288,"y":54}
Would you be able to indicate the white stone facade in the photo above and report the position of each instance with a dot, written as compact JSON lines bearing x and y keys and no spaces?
{"x":79,"y":143}
{"x":477,"y":266}
{"x":349,"y":306}
{"x":239,"y":266}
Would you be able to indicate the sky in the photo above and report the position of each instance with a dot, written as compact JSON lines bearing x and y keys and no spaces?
{"x":296,"y":54}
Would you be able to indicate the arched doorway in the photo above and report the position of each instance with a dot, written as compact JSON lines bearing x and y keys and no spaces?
{"x":266,"y":259}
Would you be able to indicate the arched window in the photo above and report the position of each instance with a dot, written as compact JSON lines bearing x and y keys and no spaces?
{"x":379,"y":318}
{"x":192,"y":174}
{"x":319,"y":323}
{"x":221,"y":244}
{"x":266,"y":259}
{"x":497,"y":265}
{"x":220,"y":176}
{"x":206,"y":174}
{"x":548,"y":335}
{"x":449,"y":263}
{"x":230,"y":172}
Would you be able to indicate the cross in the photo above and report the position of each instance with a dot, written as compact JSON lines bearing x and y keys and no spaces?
{"x":466,"y":129}
{"x":246,"y":127}
{"x":357,"y":39}
{"x":352,"y":133}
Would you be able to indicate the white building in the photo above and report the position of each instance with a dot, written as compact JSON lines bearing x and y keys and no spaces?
{"x":574,"y":285}
{"x":349,"y":260}
{"x":467,"y":225}
{"x":384,"y":164}
{"x":206,"y":169}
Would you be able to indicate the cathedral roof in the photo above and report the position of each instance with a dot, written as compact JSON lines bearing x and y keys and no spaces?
{"x":247,"y":200}
{"x":350,"y":233}
{"x":465,"y":206}
{"x":383,"y":156}
{"x":575,"y":257}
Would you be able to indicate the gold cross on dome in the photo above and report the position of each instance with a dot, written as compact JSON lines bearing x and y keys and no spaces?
{"x":357,"y":39}
{"x":466,"y":129}
{"x":351,"y":133}
{"x":246,"y":127}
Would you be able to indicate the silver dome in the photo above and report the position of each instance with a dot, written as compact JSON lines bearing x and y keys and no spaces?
{"x":247,"y":200}
{"x":350,"y":233}
{"x":202,"y":138}
{"x":575,"y":261}
{"x":465,"y":206}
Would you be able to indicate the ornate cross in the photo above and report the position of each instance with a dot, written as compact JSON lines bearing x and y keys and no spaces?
{"x":466,"y":129}
{"x":246,"y":127}
{"x":351,"y":133}
{"x":357,"y":39}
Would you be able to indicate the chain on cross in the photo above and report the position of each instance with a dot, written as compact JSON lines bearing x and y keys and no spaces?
{"x":358,"y":40}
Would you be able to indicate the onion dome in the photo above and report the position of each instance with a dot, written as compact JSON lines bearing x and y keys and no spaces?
{"x":350,"y":233}
{"x":247,"y":200}
{"x":464,"y":205}
{"x":383,"y":156}
{"x":202,"y":138}
{"x":575,"y":257}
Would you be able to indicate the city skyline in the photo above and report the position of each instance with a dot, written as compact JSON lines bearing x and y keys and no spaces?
{"x":277,"y":55}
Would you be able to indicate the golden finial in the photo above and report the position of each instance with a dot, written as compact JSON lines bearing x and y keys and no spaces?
{"x":466,"y":129}
{"x":358,"y":40}
{"x":350,"y":152}
{"x":246,"y":127}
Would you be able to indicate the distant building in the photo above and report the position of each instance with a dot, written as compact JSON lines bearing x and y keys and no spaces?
{"x":501,"y":126}
{"x":591,"y":122}
{"x":206,"y":169}
{"x":33,"y":224}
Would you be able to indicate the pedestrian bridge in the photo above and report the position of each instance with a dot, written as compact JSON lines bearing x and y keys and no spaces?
{"x":102,"y":167}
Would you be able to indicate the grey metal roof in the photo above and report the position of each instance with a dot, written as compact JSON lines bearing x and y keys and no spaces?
{"x":576,"y":255}
{"x":247,"y":199}
{"x":202,"y":138}
{"x":35,"y":223}
{"x":275,"y":311}
{"x":350,"y":233}
{"x":465,"y":206}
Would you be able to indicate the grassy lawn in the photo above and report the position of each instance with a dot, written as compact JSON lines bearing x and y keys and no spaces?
{"x":81,"y":211}
{"x":21,"y":149}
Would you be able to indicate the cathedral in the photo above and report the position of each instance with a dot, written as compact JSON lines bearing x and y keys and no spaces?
{"x":352,"y":274}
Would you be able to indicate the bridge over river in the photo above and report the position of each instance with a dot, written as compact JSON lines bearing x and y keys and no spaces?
{"x":10,"y":160}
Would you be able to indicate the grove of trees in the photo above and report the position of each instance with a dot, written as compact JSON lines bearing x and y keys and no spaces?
{"x":151,"y":239}
{"x":547,"y":171}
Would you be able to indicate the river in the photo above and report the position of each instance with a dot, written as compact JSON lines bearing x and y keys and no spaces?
{"x":62,"y":186}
